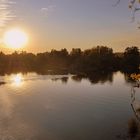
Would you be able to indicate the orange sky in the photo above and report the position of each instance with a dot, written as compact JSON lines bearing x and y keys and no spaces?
{"x":69,"y":24}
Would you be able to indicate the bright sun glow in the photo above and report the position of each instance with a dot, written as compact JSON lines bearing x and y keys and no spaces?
{"x":15,"y":38}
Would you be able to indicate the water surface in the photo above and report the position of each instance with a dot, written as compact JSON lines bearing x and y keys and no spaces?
{"x":46,"y":107}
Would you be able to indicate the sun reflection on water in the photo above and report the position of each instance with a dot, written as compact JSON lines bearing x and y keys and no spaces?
{"x":17,"y":80}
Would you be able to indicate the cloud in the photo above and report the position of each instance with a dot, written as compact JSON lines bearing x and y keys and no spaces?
{"x":46,"y":10}
{"x":6,"y":12}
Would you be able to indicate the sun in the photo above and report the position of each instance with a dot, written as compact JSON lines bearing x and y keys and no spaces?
{"x":15,"y":38}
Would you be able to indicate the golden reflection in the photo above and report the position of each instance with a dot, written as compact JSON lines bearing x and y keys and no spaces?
{"x":17,"y":80}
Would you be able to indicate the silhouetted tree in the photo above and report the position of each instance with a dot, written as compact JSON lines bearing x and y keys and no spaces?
{"x":131,"y":58}
{"x":100,"y":59}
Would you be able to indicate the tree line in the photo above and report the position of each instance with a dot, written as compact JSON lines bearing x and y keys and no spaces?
{"x":99,"y":59}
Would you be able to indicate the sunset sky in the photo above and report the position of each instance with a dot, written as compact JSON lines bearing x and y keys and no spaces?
{"x":56,"y":24}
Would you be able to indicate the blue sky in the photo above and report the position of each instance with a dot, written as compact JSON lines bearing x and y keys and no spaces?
{"x":56,"y":24}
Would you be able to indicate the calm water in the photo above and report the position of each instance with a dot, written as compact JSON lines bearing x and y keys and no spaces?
{"x":44,"y":107}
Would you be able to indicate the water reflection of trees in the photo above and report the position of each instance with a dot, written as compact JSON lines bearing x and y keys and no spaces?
{"x":62,"y":79}
{"x":133,"y":132}
{"x":135,"y":103}
{"x":95,"y":77}
{"x":134,"y":124}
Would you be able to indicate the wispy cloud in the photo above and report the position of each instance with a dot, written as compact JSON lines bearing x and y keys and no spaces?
{"x":46,"y":10}
{"x":6,"y":12}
